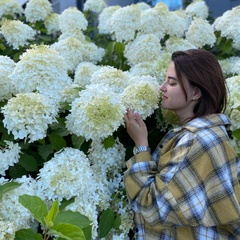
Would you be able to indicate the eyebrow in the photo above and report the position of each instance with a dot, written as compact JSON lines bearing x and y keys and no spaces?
{"x":169,"y":77}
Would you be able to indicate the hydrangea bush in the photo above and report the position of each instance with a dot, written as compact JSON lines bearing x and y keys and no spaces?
{"x":66,"y":81}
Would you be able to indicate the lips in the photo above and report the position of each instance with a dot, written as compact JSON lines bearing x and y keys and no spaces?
{"x":164,"y":97}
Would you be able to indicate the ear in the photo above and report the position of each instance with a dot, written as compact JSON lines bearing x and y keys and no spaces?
{"x":197,"y":94}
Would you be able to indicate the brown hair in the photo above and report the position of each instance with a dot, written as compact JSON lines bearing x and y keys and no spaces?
{"x":202,"y":69}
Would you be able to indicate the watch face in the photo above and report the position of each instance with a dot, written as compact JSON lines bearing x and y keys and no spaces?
{"x":138,"y":149}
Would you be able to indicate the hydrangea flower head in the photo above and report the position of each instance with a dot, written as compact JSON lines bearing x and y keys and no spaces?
{"x":96,"y":6}
{"x":41,"y":69}
{"x":9,"y":155}
{"x":142,"y":95}
{"x":60,"y":178}
{"x":145,"y":48}
{"x":51,"y":23}
{"x":201,"y":33}
{"x":37,"y":10}
{"x":225,"y":25}
{"x":96,"y":114}
{"x":72,"y":50}
{"x":112,"y":77}
{"x":84,"y":72}
{"x":28,"y":115}
{"x":125,"y":22}
{"x":230,"y":66}
{"x":7,"y":88}
{"x":12,"y":211}
{"x":198,"y":8}
{"x":72,"y":20}
{"x":16,"y":33}
{"x":178,"y":44}
{"x":10,"y":7}
{"x":151,"y":23}
{"x":104,"y":26}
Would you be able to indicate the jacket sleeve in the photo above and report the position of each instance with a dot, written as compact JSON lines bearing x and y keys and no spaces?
{"x":195,"y":184}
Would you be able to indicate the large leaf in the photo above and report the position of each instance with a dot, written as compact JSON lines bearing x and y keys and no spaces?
{"x":236,"y":134}
{"x":27,"y":234}
{"x":57,"y":142}
{"x":28,"y":162}
{"x":77,"y":141}
{"x":74,"y":218}
{"x":52,"y":214}
{"x":35,"y":205}
{"x":106,"y":223}
{"x":8,"y":187}
{"x":17,"y":171}
{"x":67,"y":231}
{"x":65,"y":203}
{"x":45,"y":151}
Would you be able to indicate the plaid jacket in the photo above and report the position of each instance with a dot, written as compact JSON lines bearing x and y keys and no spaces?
{"x":188,"y":188}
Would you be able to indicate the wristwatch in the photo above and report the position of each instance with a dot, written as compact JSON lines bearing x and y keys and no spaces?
{"x":138,"y":149}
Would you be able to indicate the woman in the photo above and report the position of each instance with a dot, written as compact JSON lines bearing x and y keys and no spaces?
{"x":188,"y":188}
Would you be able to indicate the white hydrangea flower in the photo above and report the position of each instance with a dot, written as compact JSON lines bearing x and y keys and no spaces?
{"x":37,"y":10}
{"x":178,"y":44}
{"x":142,"y":95}
{"x":43,"y":70}
{"x":77,"y":35}
{"x":12,"y":211}
{"x":51,"y":23}
{"x":108,"y":161}
{"x":198,"y":8}
{"x":155,"y":69}
{"x":71,"y":50}
{"x":7,"y":230}
{"x":83,"y":73}
{"x":173,"y":29}
{"x":96,"y":114}
{"x":201,"y":33}
{"x":92,"y":53}
{"x":104,"y":26}
{"x":225,"y":25}
{"x":16,"y":33}
{"x":28,"y":115}
{"x":230,"y":66}
{"x":143,"y":6}
{"x":96,"y":6}
{"x":145,"y":48}
{"x":10,"y":7}
{"x":72,"y":20}
{"x":234,"y":117}
{"x":112,"y":77}
{"x":9,"y":155}
{"x":125,"y":22}
{"x":60,"y":172}
{"x":151,"y":23}
{"x":71,"y":92}
{"x":7,"y":88}
{"x":233,"y":84}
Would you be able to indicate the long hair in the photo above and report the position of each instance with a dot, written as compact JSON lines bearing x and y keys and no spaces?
{"x":201,"y":69}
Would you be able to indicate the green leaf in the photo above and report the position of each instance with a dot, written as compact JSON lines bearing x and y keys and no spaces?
{"x":52,"y":214}
{"x":65,"y":203}
{"x":109,"y":142}
{"x":27,"y":234}
{"x":45,"y":151}
{"x":67,"y":231}
{"x":2,"y":47}
{"x":88,"y":232}
{"x":74,"y":218}
{"x":236,"y":134}
{"x":35,"y":205}
{"x":28,"y":162}
{"x":106,"y":223}
{"x":8,"y":187}
{"x":17,"y":171}
{"x":117,"y":222}
{"x":57,"y":142}
{"x":119,"y":49}
{"x":77,"y":141}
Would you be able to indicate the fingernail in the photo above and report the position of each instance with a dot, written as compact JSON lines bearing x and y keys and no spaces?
{"x":136,"y":112}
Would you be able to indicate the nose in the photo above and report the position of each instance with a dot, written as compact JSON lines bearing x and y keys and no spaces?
{"x":162,"y":87}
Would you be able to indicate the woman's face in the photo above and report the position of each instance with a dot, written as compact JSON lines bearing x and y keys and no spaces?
{"x":173,"y":96}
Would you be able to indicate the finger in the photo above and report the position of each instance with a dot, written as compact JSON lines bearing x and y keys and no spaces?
{"x":138,"y":118}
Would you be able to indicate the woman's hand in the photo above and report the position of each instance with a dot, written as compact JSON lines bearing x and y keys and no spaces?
{"x":136,"y":128}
